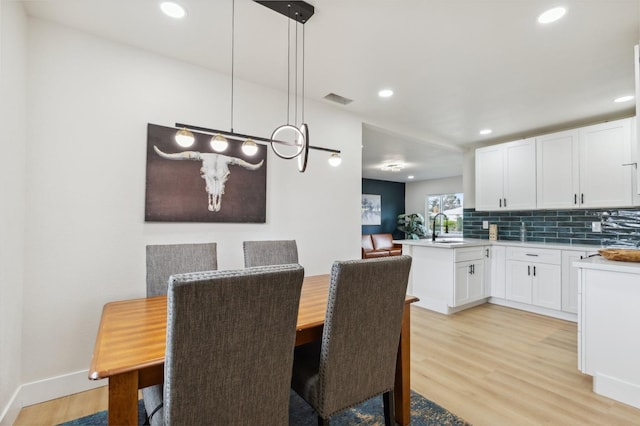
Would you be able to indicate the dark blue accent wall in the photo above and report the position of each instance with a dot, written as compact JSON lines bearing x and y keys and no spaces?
{"x":392,"y":200}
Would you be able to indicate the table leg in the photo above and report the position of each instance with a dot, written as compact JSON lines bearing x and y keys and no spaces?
{"x":402,"y":389}
{"x":123,"y":399}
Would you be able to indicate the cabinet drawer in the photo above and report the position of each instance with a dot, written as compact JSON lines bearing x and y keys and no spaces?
{"x":534,"y":255}
{"x":469,"y":253}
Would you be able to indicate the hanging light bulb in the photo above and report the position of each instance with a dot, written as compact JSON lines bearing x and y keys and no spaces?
{"x":184,"y":138}
{"x":335,"y":159}
{"x":219,"y":143}
{"x":249,"y":147}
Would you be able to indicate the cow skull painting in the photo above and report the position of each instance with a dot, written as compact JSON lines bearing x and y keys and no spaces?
{"x":198,"y":184}
{"x":214,"y":170}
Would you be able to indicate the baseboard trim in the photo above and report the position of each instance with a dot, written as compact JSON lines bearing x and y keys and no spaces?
{"x":534,"y":309}
{"x":10,"y":412}
{"x":46,"y":390}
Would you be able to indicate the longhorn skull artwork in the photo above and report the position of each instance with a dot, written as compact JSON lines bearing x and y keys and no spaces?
{"x":215,"y":171}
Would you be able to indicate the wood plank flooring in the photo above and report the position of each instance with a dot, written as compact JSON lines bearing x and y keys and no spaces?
{"x":490,"y":365}
{"x":493,"y":365}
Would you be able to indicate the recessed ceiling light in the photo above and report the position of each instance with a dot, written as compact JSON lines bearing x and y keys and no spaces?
{"x":410,"y":177}
{"x":385,"y":93}
{"x":623,"y":98}
{"x":485,"y":131}
{"x":552,"y":15}
{"x":172,"y":9}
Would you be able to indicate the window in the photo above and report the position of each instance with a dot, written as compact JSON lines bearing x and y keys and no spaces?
{"x":451,"y":206}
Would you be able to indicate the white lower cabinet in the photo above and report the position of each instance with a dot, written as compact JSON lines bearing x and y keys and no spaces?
{"x":533,"y":276}
{"x":468,"y":282}
{"x":468,"y":275}
{"x":609,"y":326}
{"x":497,"y":284}
{"x":447,"y":279}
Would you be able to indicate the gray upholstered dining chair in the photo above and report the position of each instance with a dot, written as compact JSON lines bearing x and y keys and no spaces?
{"x":230,"y":339}
{"x":168,"y":259}
{"x":271,"y":252}
{"x":356,"y":359}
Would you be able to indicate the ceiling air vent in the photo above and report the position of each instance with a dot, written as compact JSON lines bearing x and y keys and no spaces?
{"x":338,"y":99}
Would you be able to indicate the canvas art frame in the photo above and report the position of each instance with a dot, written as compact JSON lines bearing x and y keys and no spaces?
{"x":371,"y":209}
{"x":197,"y":184}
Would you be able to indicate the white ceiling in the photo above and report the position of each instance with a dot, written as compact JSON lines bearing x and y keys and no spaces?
{"x":456,"y":66}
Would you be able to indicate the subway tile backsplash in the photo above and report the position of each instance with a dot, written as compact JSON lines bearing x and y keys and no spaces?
{"x":620,"y":227}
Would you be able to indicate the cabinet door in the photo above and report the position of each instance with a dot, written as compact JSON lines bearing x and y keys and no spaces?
{"x":498,"y":259}
{"x":570,"y":280}
{"x":557,"y":170}
{"x":604,"y":180}
{"x":461,"y":283}
{"x":546,"y":285}
{"x":518,"y":282}
{"x":486,"y":288}
{"x":636,"y":139}
{"x":476,"y":281}
{"x":489,"y":178}
{"x":468,"y":282}
{"x":520,"y":175}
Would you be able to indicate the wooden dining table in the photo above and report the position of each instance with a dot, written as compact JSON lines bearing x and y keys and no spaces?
{"x":131,"y":341}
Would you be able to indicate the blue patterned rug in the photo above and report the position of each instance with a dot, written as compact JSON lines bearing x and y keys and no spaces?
{"x":423,"y":413}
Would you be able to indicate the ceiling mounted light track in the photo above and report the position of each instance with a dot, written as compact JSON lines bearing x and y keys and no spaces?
{"x":300,"y":11}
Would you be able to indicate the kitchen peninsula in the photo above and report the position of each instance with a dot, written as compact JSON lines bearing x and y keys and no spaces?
{"x":609,"y":326}
{"x":448,"y":275}
{"x":452,"y":274}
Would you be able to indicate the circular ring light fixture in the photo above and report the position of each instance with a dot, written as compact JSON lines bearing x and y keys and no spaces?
{"x":304,"y":154}
{"x":281,"y":133}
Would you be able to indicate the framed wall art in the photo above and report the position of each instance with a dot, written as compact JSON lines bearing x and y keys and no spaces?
{"x":197,"y":184}
{"x":371,"y":209}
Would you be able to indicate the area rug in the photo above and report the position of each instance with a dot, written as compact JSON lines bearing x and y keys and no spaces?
{"x":423,"y":413}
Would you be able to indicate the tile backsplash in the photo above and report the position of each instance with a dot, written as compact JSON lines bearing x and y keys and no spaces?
{"x":620,"y":227}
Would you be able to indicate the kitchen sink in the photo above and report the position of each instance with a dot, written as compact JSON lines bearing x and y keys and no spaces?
{"x":448,"y":242}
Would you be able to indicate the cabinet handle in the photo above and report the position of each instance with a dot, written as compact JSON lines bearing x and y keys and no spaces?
{"x":487,"y":252}
{"x":532,"y":254}
{"x":528,"y":269}
{"x":581,"y":198}
{"x":534,"y":271}
{"x":505,"y":202}
{"x":473,"y":269}
{"x":575,"y":198}
{"x":500,"y":202}
{"x":635,"y":165}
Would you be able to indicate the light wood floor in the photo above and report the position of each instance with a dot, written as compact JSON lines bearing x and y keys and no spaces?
{"x":490,"y":365}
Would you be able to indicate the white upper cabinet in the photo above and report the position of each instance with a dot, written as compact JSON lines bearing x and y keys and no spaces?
{"x":506,"y":176}
{"x":557,"y":170}
{"x":605,"y":169}
{"x":585,"y":168}
{"x":589,"y":167}
{"x":636,"y":135}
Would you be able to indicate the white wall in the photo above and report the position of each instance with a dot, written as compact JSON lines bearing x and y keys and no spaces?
{"x":13,"y":45}
{"x":416,"y":192}
{"x":89,"y":103}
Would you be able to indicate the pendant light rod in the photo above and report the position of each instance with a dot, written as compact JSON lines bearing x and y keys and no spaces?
{"x":233,"y":36}
{"x":241,"y":136}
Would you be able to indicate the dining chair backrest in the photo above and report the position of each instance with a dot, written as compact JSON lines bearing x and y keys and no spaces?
{"x":270,"y":252}
{"x":230,"y":340}
{"x":357,"y":357}
{"x":169,"y":259}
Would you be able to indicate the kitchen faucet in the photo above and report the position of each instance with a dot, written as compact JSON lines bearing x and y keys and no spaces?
{"x":433,"y":228}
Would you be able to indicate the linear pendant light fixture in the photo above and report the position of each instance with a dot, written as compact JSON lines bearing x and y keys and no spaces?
{"x":288,"y":134}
